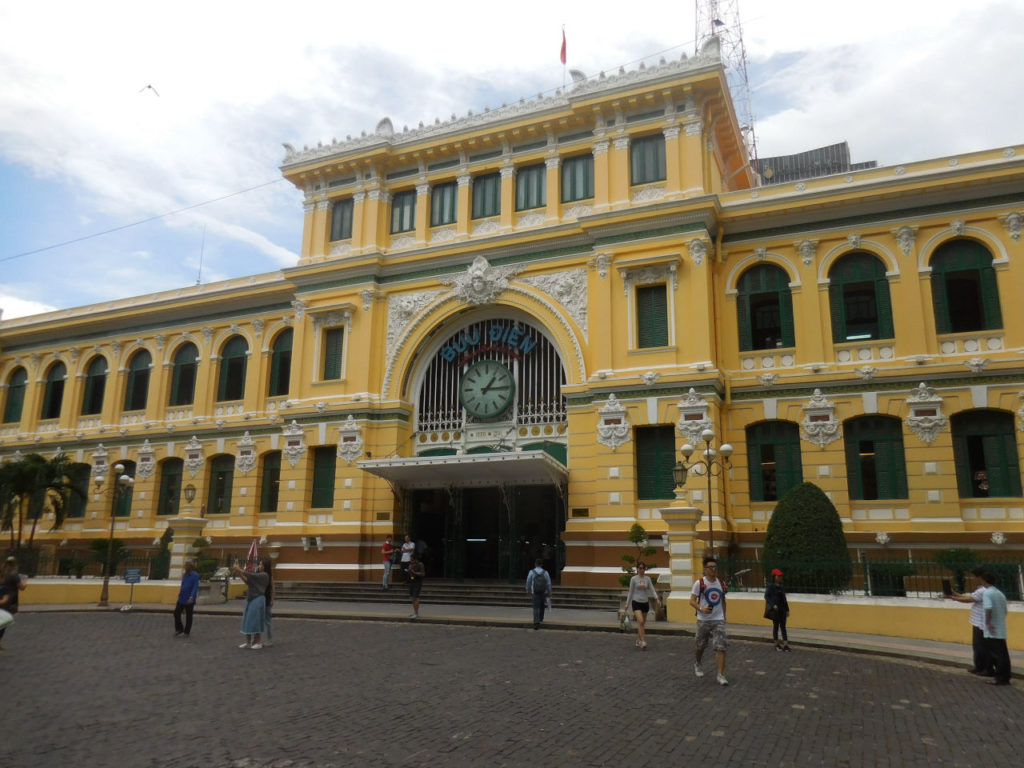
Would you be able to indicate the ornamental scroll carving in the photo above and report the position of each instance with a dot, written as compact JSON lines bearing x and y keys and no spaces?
{"x":193,"y":456}
{"x":482,"y":283}
{"x":693,"y":416}
{"x":146,"y":465}
{"x":350,"y":440}
{"x":401,"y":311}
{"x":568,"y":288}
{"x":613,"y":428}
{"x":820,"y":425}
{"x":647,"y":275}
{"x":698,"y":250}
{"x":926,"y":419}
{"x":294,"y":444}
{"x":245,"y":456}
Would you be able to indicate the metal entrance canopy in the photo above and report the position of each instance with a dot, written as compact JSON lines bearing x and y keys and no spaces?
{"x":470,"y":470}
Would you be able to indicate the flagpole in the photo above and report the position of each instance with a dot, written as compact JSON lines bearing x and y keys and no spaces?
{"x":563,"y":57}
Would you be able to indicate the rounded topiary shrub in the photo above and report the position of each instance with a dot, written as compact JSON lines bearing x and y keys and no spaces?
{"x":805,"y":539}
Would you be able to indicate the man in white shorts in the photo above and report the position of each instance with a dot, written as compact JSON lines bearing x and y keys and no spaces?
{"x":707,"y":598}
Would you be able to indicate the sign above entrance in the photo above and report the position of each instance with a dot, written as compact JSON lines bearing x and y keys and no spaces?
{"x":506,"y":336}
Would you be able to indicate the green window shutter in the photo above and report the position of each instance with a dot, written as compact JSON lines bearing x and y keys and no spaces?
{"x":443,"y":202}
{"x":939,"y":305}
{"x":333,"y":345}
{"x":137,"y":390}
{"x":1001,"y":459}
{"x":281,"y":364}
{"x":755,"y":465}
{"x":990,"y":298}
{"x":486,"y":196}
{"x":53,"y":395}
{"x":652,"y":316}
{"x":835,"y":306}
{"x":789,"y":469}
{"x":647,"y":159}
{"x":124,"y":502}
{"x":883,"y":302}
{"x":231,"y":385}
{"x":183,"y":375}
{"x":16,"y":386}
{"x":578,"y":178}
{"x":855,"y":483}
{"x":270,"y":482}
{"x":743,"y":321}
{"x":531,"y":187}
{"x":324,"y":461}
{"x":95,"y":386}
{"x":403,"y":212}
{"x":655,"y":457}
{"x":964,"y":481}
{"x":80,"y":475}
{"x":341,"y":219}
{"x":170,"y":487}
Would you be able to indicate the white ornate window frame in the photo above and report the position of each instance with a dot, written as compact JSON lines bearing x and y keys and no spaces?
{"x":613,"y":427}
{"x":650,"y":271}
{"x":325,"y":319}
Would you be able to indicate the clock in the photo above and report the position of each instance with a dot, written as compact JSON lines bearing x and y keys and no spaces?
{"x":487,"y":389}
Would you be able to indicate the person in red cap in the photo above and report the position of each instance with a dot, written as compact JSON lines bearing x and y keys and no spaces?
{"x":776,"y":608}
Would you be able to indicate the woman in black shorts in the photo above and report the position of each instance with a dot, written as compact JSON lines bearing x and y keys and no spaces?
{"x":640,"y":588}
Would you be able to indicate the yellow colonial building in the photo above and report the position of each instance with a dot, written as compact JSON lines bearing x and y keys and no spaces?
{"x":502,"y":329}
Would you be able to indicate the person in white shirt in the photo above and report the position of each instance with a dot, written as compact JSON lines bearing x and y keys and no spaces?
{"x":407,"y":550}
{"x":707,"y":598}
{"x":640,"y":588}
{"x":982,"y":661}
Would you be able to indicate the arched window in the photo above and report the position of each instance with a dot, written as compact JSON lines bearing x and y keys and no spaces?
{"x":270,"y":480}
{"x":875,"y":463}
{"x":137,"y":389}
{"x":985,"y":451}
{"x":222,"y":471}
{"x":965,"y":295}
{"x":858,"y":294}
{"x":183,"y":375}
{"x":764,"y":309}
{"x":281,"y":364}
{"x":16,"y":384}
{"x":95,"y":386}
{"x":773,"y":458}
{"x":231,"y":385}
{"x":53,"y":395}
{"x":124,"y":503}
{"x":169,"y":501}
{"x":80,"y":475}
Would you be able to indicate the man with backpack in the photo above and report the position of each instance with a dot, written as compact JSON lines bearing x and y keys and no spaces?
{"x":538,"y":584}
{"x":707,"y":598}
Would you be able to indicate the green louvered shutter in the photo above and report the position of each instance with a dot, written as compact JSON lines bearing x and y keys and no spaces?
{"x":786,"y":318}
{"x":789,"y":471}
{"x":835,"y":307}
{"x":324,"y":461}
{"x":743,"y":321}
{"x":333,"y":341}
{"x":270,"y":483}
{"x":281,"y":364}
{"x":990,"y":297}
{"x":652,"y":316}
{"x":939,"y":305}
{"x":883,"y":305}
{"x":655,"y":457}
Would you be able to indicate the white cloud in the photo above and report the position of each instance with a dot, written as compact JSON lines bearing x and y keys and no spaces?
{"x":12,"y":306}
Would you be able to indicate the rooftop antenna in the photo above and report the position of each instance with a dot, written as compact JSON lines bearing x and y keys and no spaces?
{"x":202,"y":249}
{"x":722,"y":18}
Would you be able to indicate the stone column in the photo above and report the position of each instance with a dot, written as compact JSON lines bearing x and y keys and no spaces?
{"x":685,"y":558}
{"x":186,"y":531}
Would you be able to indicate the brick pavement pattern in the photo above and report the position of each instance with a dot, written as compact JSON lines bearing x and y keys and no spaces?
{"x":111,"y":689}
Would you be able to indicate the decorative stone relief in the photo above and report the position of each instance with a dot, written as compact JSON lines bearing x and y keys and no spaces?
{"x":487,"y":227}
{"x":442,"y":234}
{"x":482,"y":283}
{"x":299,"y":307}
{"x":998,"y":538}
{"x":369,"y":295}
{"x":403,"y":241}
{"x":245,"y":456}
{"x":569,"y":288}
{"x":601,"y":262}
{"x":926,"y":418}
{"x":866,"y":372}
{"x":577,"y":211}
{"x":693,"y":416}
{"x":958,"y":226}
{"x":650,"y":378}
{"x":820,"y":425}
{"x":145,"y":466}
{"x":401,"y":311}
{"x":341,"y":249}
{"x":853,"y":240}
{"x":882,"y":538}
{"x":905,"y":237}
{"x":646,"y":275}
{"x":193,"y":456}
{"x":613,"y":428}
{"x":807,"y":250}
{"x":350,"y":440}
{"x":1013,"y":223}
{"x":977,"y":364}
{"x":257,"y":326}
{"x":294,"y":445}
{"x":332,"y":319}
{"x":207,"y":336}
{"x":99,"y":461}
{"x":649,"y":194}
{"x":698,"y":250}
{"x":531,"y":219}
{"x":768,"y":379}
{"x":760,"y":253}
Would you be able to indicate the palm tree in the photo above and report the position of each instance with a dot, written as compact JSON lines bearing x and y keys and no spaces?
{"x":31,"y":485}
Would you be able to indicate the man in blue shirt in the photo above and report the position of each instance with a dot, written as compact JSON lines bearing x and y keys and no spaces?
{"x":186,"y":600}
{"x":994,"y":603}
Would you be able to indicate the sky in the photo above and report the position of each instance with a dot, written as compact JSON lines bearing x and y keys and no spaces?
{"x":110,"y":188}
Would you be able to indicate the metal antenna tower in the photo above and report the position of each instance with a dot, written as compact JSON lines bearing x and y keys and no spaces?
{"x":722,"y":18}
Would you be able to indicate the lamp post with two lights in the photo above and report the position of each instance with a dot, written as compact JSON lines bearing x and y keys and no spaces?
{"x":121,"y":485}
{"x":714,"y":463}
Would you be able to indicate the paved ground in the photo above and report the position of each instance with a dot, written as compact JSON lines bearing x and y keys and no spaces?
{"x":113,"y":689}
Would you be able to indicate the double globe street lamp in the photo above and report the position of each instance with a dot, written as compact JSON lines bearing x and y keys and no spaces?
{"x":714,"y":463}
{"x":120,"y":487}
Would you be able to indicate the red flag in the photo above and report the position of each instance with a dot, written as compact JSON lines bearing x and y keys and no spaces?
{"x":253,"y":556}
{"x":562,"y":55}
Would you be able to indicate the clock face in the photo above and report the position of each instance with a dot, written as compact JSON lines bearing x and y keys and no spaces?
{"x":487,"y":389}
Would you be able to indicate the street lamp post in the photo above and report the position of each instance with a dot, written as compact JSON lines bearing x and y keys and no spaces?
{"x":121,"y":486}
{"x":715,"y":462}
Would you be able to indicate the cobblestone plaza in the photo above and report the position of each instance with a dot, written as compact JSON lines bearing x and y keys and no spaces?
{"x":111,"y":689}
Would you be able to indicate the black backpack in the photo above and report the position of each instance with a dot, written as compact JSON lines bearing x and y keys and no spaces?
{"x":540,"y":583}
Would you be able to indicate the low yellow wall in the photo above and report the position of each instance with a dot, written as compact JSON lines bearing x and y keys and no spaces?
{"x":941,"y":620}
{"x":87,"y":591}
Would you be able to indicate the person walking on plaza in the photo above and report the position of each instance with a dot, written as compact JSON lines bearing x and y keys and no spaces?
{"x":11,"y":584}
{"x":707,"y":598}
{"x":387,"y":551}
{"x":415,"y":574}
{"x":408,"y":548}
{"x":268,"y":619}
{"x":776,"y":608}
{"x":640,"y":589}
{"x":982,"y":661}
{"x":994,"y":603}
{"x":255,"y":614}
{"x":186,"y":600}
{"x":538,"y":584}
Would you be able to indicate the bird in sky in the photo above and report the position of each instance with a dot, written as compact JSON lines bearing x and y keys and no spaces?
{"x":149,"y":88}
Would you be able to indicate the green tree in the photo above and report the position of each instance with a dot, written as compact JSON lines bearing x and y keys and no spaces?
{"x":118,"y":553}
{"x":959,"y":560}
{"x":638,"y":536}
{"x":805,"y":539}
{"x":160,"y":566}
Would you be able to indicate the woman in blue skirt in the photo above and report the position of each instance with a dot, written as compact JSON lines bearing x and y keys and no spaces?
{"x":254,"y":617}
